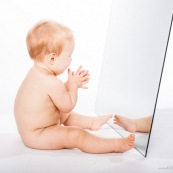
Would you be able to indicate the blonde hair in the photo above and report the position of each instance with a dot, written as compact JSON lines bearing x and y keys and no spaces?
{"x":47,"y":37}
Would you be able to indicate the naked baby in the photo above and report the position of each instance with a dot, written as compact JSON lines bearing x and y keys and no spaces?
{"x":44,"y":104}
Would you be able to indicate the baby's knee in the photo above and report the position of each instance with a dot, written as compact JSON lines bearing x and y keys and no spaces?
{"x":74,"y":135}
{"x":74,"y":132}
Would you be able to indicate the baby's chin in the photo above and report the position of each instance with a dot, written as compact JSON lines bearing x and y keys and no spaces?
{"x":59,"y":72}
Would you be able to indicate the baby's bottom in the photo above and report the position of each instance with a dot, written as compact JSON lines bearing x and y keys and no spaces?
{"x":58,"y":137}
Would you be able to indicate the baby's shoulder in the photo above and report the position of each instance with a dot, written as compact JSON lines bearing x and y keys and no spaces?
{"x":53,"y":81}
{"x":53,"y":85}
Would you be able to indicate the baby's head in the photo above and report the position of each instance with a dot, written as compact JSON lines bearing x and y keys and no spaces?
{"x":49,"y":39}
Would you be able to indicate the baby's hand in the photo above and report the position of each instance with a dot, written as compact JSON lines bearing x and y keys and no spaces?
{"x":80,"y":77}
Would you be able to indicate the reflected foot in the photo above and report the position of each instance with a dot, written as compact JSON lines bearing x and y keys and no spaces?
{"x":125,"y":144}
{"x":99,"y":121}
{"x":127,"y":123}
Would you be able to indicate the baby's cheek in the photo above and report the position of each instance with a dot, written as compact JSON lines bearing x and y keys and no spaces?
{"x":69,"y":62}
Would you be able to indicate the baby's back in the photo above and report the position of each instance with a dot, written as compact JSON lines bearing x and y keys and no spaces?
{"x":34,"y":109}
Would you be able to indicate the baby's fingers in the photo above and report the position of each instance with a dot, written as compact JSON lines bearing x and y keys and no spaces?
{"x":69,"y":72}
{"x":84,"y":87}
{"x":83,"y":83}
{"x":84,"y":73}
{"x":79,"y":70}
{"x":86,"y":78}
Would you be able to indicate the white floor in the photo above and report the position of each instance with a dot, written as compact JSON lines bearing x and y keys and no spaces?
{"x":16,"y":158}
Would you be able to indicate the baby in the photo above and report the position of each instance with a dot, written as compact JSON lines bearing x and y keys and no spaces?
{"x":43,"y":105}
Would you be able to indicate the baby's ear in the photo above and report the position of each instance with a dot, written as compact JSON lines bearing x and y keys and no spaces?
{"x":51,"y":58}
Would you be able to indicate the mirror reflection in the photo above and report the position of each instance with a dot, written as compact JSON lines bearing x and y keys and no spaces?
{"x":132,"y":66}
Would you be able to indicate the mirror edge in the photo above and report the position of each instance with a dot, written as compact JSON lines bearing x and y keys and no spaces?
{"x":159,"y":86}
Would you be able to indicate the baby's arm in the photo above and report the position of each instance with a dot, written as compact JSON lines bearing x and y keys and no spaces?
{"x":65,"y":97}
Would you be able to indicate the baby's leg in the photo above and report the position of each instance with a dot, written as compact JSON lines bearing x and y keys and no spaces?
{"x":127,"y":123}
{"x":88,"y":122}
{"x":61,"y":137}
{"x":134,"y":125}
{"x":144,"y":124}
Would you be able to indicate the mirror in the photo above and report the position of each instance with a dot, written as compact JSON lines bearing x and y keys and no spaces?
{"x":132,"y":65}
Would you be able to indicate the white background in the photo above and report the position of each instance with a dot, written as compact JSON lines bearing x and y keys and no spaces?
{"x":88,"y":19}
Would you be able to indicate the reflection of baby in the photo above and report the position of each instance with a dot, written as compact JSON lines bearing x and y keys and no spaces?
{"x":43,"y":105}
{"x":134,"y":125}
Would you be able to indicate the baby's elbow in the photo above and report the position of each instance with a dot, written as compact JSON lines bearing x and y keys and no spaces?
{"x":67,"y":105}
{"x":67,"y":108}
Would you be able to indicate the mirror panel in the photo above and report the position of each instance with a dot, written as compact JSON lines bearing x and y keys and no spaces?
{"x":133,"y":59}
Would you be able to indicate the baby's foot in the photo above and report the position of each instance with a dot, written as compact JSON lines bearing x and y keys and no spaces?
{"x":124,"y":144}
{"x":99,"y":121}
{"x":127,"y":123}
